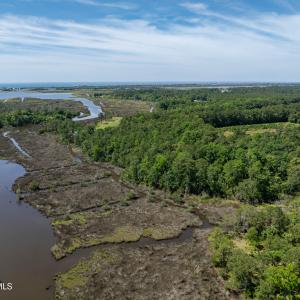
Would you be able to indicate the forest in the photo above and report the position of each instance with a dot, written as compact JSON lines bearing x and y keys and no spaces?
{"x":186,"y":148}
{"x":192,"y":94}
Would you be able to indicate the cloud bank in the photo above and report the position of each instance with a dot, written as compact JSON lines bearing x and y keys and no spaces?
{"x":208,"y":46}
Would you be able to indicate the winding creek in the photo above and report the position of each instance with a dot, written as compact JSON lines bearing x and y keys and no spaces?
{"x":15,"y":143}
{"x":23,"y":94}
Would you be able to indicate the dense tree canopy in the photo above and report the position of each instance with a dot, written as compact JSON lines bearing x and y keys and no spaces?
{"x":177,"y":151}
{"x":267,"y":265}
{"x":24,"y":117}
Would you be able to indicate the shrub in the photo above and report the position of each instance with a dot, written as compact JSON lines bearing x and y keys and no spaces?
{"x":280,"y":282}
{"x":33,"y":186}
{"x":222,"y":247}
{"x":248,"y":191}
{"x":293,"y":234}
{"x":292,"y":256}
{"x":244,"y":272}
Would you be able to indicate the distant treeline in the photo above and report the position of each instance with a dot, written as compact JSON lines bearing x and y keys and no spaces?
{"x":223,"y":107}
{"x":202,"y":94}
{"x":222,"y":115}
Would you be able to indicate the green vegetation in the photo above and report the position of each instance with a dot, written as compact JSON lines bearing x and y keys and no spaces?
{"x":222,"y":107}
{"x":33,"y":186}
{"x":77,"y":276}
{"x":192,"y":93}
{"x":111,"y":123}
{"x":70,"y":220}
{"x":25,"y":117}
{"x":39,"y":105}
{"x":177,"y":151}
{"x":269,"y":266}
{"x":126,"y":233}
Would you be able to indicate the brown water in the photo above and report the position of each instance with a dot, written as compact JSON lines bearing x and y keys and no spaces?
{"x":26,"y":238}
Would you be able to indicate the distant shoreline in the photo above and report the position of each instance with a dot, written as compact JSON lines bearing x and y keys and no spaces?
{"x":49,"y":85}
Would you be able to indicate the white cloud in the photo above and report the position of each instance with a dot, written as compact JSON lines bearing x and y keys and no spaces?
{"x":105,"y":4}
{"x":194,"y":6}
{"x":35,"y":49}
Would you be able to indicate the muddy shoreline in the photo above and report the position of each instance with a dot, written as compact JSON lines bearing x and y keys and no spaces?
{"x":92,"y":210}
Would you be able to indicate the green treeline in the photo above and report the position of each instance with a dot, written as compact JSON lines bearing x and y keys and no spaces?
{"x":24,"y":117}
{"x":190,"y":94}
{"x":176,"y":150}
{"x":258,"y":252}
{"x":238,"y":106}
{"x":241,"y":113}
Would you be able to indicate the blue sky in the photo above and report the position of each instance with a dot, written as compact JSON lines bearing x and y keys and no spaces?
{"x":166,"y":40}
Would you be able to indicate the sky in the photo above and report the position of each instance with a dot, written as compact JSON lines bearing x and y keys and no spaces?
{"x":149,"y":41}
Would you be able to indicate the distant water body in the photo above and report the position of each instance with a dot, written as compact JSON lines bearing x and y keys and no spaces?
{"x":55,"y":84}
{"x":160,"y":83}
{"x":77,"y":84}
